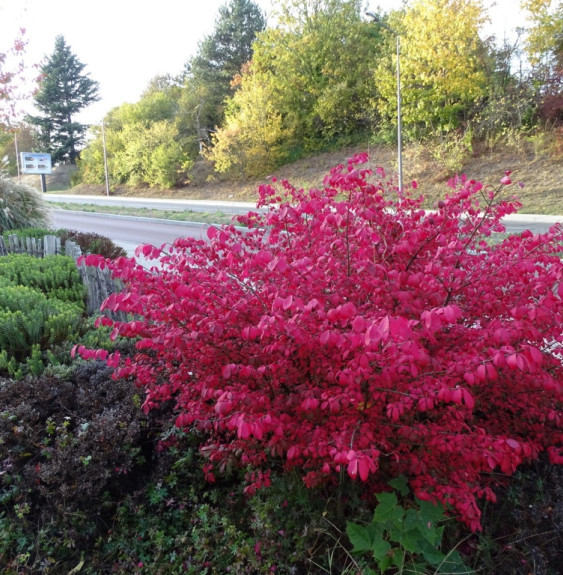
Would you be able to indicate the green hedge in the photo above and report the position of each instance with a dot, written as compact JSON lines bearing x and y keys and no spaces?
{"x":28,"y":318}
{"x":55,"y":276}
{"x":42,"y":304}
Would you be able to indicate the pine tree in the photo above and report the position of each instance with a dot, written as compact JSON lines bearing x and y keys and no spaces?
{"x":64,"y":90}
{"x":220,"y":57}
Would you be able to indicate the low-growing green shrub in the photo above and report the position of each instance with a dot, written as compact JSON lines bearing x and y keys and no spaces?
{"x":42,"y":303}
{"x":55,"y":276}
{"x":405,"y":536}
{"x":28,"y":317}
{"x":36,"y":233}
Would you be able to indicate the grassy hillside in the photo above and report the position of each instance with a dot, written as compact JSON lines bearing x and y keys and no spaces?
{"x":538,"y":164}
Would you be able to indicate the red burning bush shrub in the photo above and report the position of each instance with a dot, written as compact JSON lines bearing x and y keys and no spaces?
{"x":351,"y":331}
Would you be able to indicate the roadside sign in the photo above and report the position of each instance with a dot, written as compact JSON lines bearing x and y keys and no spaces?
{"x":35,"y":163}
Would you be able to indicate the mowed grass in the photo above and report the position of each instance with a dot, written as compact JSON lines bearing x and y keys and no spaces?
{"x":178,"y":216}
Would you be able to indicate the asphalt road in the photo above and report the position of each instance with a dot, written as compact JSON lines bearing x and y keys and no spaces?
{"x":130,"y":232}
{"x":127,"y":231}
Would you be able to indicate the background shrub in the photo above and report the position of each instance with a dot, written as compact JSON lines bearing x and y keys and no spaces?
{"x":90,"y":243}
{"x":67,"y":448}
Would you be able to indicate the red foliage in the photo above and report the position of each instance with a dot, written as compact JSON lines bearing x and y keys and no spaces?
{"x":11,"y":68}
{"x":347,"y":331}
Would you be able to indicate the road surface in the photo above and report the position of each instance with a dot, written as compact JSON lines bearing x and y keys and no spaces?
{"x":128,"y":232}
{"x":514,"y":223}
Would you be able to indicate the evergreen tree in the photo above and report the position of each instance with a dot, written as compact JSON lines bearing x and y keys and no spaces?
{"x":220,"y":57}
{"x":64,"y":90}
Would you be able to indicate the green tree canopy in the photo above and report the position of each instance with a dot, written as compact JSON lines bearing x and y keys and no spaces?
{"x":220,"y":57}
{"x":442,"y":75}
{"x":65,"y":89}
{"x":322,"y":54}
{"x":309,"y":84}
{"x":143,"y":143}
{"x":250,"y":141}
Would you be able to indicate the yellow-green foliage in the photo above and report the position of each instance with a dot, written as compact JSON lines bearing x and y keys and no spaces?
{"x":545,"y":40}
{"x":249,"y":143}
{"x":309,"y":86}
{"x":55,"y":276}
{"x":143,"y":144}
{"x":28,"y":317}
{"x":442,"y":75}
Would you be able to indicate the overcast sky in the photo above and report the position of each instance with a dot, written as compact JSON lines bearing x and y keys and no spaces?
{"x":126,"y":43}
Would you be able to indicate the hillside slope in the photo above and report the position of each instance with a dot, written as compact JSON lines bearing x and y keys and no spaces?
{"x":539,"y":168}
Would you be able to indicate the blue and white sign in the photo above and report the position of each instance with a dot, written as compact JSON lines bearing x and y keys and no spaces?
{"x":35,"y":163}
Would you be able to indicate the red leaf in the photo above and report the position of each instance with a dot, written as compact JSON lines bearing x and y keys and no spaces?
{"x":384,"y":328}
{"x":468,"y":399}
{"x":364,"y":468}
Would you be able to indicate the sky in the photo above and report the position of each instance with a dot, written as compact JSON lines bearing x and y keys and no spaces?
{"x":126,"y":43}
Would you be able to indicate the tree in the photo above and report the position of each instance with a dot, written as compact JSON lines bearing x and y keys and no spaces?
{"x":544,"y":47}
{"x":441,"y":74}
{"x":250,"y":141}
{"x":21,"y":134}
{"x":220,"y":57}
{"x":64,"y":90}
{"x":143,"y":142}
{"x":312,"y":75}
{"x":9,"y":73}
{"x":350,"y":333}
{"x":322,"y":54}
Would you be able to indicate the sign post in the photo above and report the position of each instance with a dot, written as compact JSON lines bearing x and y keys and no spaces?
{"x":32,"y":163}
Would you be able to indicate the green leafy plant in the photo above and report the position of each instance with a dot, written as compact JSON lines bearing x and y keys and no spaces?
{"x":406,"y":538}
{"x":36,"y":233}
{"x":29,"y":323}
{"x":55,"y":276}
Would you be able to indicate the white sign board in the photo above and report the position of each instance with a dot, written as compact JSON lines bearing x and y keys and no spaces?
{"x":35,"y":163}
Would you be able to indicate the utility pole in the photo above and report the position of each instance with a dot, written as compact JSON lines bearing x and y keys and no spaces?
{"x":105,"y":158}
{"x":377,"y":20}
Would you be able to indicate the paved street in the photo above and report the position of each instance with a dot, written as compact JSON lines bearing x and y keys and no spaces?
{"x":130,"y":231}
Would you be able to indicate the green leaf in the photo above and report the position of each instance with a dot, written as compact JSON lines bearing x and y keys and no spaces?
{"x":362,"y":537}
{"x":410,"y":541}
{"x":430,"y":512}
{"x":387,"y":508}
{"x":381,"y":548}
{"x":453,"y":564}
{"x":383,"y":556}
{"x":400,"y":484}
{"x":431,"y":554}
